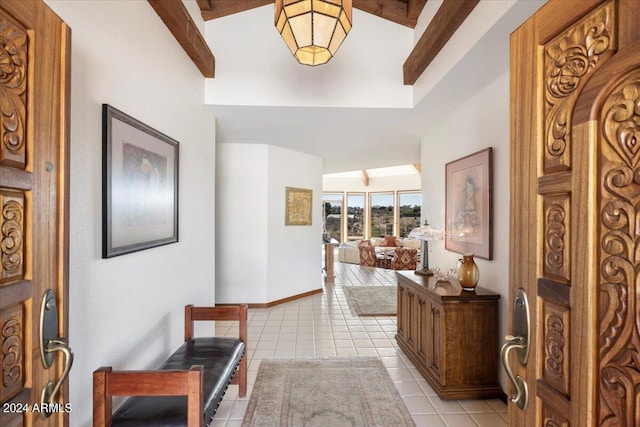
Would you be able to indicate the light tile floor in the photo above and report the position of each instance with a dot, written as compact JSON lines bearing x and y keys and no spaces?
{"x":322,"y":325}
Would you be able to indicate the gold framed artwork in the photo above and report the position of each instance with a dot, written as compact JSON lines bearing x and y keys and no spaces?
{"x":468,"y":204}
{"x":298,"y":205}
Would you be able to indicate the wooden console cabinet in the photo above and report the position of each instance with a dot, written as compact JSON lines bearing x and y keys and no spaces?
{"x":450,"y":335}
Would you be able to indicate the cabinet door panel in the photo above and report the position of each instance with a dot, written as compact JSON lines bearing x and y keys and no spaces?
{"x":423,"y":331}
{"x":436,"y":343}
{"x":412,"y":317}
{"x":401,"y":312}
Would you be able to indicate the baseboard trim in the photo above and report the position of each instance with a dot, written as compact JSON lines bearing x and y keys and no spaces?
{"x":280,"y":301}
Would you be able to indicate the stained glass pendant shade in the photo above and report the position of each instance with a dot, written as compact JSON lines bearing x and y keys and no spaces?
{"x":313,"y":29}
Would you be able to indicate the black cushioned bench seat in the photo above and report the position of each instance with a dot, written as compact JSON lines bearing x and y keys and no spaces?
{"x":187,"y":388}
{"x":220,"y":356}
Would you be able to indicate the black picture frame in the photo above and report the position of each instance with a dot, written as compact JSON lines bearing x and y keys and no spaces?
{"x":139,"y":185}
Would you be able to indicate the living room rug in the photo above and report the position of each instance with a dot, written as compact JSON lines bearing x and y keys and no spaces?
{"x":372,"y":300}
{"x":325,"y":392}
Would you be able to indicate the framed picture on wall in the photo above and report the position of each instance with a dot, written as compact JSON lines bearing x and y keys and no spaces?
{"x":468,"y":204}
{"x":298,"y":205}
{"x":139,"y":185}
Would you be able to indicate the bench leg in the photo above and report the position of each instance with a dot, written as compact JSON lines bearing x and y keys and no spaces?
{"x":101,"y":401}
{"x":242,"y":376}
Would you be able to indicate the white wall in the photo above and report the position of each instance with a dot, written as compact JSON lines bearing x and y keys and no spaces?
{"x":294,"y":251}
{"x":241,"y":223}
{"x":127,"y":311}
{"x":481,"y":122}
{"x":258,"y":258}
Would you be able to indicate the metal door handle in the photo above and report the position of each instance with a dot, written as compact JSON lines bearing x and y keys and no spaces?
{"x":50,"y":391}
{"x":522,"y":392}
{"x":520,"y":341}
{"x":50,"y":343}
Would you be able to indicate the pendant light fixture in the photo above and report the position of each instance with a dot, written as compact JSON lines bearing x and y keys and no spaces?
{"x":313,"y":29}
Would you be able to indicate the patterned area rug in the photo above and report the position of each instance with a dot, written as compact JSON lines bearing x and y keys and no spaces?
{"x":372,"y":300}
{"x":325,"y":392}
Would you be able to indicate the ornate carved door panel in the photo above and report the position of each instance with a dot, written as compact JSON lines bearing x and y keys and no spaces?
{"x":607,"y":115}
{"x":575,"y":198}
{"x":34,"y":85}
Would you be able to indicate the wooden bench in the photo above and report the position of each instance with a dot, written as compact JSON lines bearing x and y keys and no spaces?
{"x":187,"y":388}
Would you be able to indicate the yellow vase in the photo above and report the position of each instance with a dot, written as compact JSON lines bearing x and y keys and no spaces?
{"x":468,"y":273}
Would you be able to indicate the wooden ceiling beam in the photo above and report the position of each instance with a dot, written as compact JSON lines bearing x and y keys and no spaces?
{"x":177,"y":19}
{"x":446,"y":21}
{"x":365,"y":177}
{"x":204,"y":4}
{"x":403,"y":12}
{"x":220,"y":8}
{"x":414,"y":9}
{"x":393,"y":10}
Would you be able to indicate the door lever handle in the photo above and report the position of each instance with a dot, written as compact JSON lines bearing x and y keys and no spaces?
{"x":50,"y":391}
{"x":520,"y":340}
{"x":50,"y":343}
{"x":522,"y":393}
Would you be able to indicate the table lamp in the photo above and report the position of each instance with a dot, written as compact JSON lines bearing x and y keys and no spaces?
{"x":426,"y":233}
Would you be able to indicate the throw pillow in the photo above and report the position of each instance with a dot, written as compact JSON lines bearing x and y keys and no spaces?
{"x":377,"y":241}
{"x":390,"y":241}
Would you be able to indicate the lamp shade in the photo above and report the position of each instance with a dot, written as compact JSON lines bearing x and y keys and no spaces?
{"x":426,"y":232}
{"x":313,"y":29}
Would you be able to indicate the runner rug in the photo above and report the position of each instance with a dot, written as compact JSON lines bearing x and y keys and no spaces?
{"x":325,"y":392}
{"x":372,"y":300}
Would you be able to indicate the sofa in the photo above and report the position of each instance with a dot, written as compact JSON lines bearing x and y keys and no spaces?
{"x":348,"y":252}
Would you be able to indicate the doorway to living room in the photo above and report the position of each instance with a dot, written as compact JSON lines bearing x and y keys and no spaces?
{"x":372,"y":203}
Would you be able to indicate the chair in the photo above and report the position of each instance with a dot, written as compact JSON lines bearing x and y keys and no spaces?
{"x":369,"y":258}
{"x":404,"y":259}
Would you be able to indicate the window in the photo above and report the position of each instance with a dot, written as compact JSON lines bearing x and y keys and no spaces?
{"x":332,"y":212}
{"x":410,"y":204}
{"x":381,"y":214}
{"x":360,"y":215}
{"x":355,"y":216}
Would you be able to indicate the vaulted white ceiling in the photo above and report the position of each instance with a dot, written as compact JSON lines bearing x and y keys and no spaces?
{"x":354,"y":112}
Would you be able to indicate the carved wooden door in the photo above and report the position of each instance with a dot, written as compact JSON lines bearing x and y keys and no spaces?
{"x":575,"y":211}
{"x":34,"y":85}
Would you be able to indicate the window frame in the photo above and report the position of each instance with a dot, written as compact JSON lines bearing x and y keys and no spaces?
{"x":333,"y":201}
